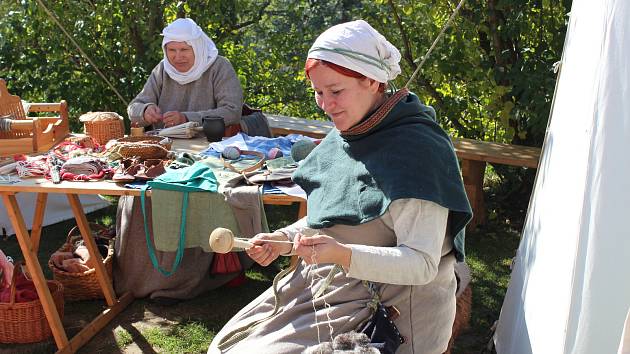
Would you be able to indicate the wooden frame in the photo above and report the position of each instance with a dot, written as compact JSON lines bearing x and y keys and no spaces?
{"x":31,"y":134}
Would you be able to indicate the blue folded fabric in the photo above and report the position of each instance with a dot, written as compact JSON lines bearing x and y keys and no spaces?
{"x":268,"y":188}
{"x":255,"y":143}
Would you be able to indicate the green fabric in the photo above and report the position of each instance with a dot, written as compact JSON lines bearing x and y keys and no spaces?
{"x":206,"y":209}
{"x":196,"y":178}
{"x":205,"y":212}
{"x":150,"y":249}
{"x":351,"y":180}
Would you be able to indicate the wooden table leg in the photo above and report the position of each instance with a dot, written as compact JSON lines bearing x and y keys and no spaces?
{"x":38,"y":220}
{"x":98,"y":323}
{"x":302,"y":210}
{"x":472,"y":173}
{"x":101,"y":274}
{"x":35,"y":270}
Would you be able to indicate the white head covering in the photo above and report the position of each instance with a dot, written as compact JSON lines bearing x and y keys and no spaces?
{"x":186,"y":30}
{"x":357,"y":46}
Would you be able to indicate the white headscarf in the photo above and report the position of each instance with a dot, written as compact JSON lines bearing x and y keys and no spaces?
{"x":357,"y":46}
{"x":186,"y":30}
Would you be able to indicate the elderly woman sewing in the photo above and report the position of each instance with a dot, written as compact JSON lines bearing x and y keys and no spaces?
{"x":386,"y":215}
{"x":191,"y":83}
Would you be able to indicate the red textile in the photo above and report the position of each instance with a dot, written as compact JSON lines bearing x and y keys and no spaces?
{"x":24,"y":291}
{"x":225,"y":263}
{"x":7,"y":271}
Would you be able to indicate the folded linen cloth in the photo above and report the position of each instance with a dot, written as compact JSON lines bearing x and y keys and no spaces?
{"x":84,"y":165}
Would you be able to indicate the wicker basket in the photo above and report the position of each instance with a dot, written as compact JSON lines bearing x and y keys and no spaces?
{"x":25,"y":322}
{"x":84,"y":285}
{"x":103,"y":126}
{"x":142,"y":147}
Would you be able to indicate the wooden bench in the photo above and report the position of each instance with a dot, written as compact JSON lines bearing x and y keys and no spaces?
{"x":473,"y":154}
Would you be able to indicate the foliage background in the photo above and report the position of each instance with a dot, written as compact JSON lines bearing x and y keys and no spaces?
{"x":490,"y":78}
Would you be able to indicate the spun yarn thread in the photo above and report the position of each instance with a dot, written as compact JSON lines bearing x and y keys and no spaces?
{"x":301,"y":149}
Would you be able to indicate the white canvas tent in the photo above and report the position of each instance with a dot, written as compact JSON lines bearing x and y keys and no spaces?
{"x":570,"y":286}
{"x":57,"y":209}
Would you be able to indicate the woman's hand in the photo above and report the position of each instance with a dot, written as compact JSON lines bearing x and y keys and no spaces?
{"x":173,"y":118}
{"x":322,"y":249}
{"x":152,"y":114}
{"x":265,"y":253}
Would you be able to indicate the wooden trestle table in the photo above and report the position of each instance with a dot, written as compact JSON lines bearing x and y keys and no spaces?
{"x":29,"y":242}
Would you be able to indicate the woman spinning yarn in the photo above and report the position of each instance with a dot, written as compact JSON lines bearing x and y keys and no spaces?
{"x":386,"y":198}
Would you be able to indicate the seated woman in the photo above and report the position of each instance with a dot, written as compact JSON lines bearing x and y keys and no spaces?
{"x":192,"y":82}
{"x":387,"y":201}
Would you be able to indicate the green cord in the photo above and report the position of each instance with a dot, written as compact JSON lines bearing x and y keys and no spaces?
{"x":182,"y":234}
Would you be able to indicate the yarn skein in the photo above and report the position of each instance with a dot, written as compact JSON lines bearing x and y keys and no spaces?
{"x":231,"y":153}
{"x":301,"y":149}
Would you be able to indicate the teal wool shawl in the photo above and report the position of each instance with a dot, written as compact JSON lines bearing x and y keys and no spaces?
{"x":351,"y":179}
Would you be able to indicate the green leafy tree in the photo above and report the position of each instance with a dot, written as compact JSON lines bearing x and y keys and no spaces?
{"x":490,"y":77}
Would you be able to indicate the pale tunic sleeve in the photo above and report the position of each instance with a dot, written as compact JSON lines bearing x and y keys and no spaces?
{"x":217,"y":93}
{"x":420,"y":228}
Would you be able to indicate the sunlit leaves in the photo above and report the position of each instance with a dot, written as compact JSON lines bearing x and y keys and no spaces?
{"x":489,"y":77}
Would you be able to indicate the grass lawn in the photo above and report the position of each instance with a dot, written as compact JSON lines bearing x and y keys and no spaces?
{"x":188,"y":327}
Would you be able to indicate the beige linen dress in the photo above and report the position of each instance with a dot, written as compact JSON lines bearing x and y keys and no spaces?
{"x":420,"y":255}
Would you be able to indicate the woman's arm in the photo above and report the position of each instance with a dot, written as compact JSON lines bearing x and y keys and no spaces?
{"x":420,"y":228}
{"x":228,"y":95}
{"x":149,"y":95}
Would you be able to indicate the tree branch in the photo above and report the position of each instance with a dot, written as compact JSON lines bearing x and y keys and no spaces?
{"x":429,"y":88}
{"x":256,"y":18}
{"x":408,"y":55}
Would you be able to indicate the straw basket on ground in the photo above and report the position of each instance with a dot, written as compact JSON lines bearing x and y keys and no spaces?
{"x":83,"y":285}
{"x":25,"y":322}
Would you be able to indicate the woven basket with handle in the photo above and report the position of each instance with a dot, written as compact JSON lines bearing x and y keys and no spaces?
{"x":83,"y":285}
{"x":103,"y":126}
{"x":25,"y":322}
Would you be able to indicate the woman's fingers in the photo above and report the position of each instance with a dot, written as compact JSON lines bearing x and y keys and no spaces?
{"x":262,"y":255}
{"x":153,"y":114}
{"x":173,"y":118}
{"x":314,"y":240}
